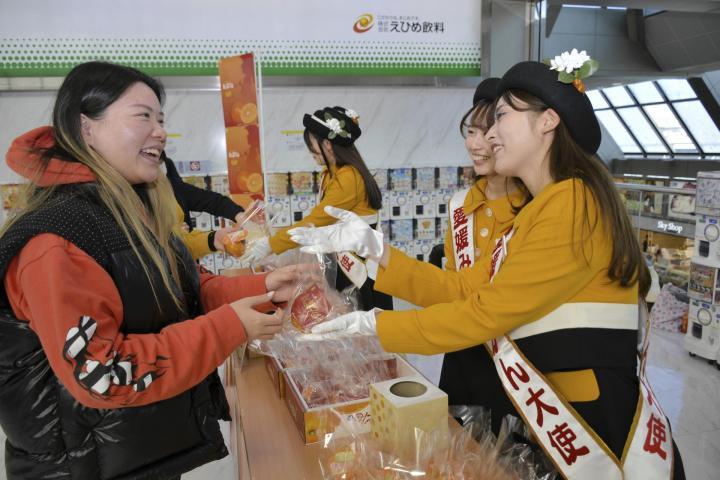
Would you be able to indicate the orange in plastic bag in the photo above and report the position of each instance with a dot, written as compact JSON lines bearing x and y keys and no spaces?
{"x":235,"y":243}
{"x":310,"y":308}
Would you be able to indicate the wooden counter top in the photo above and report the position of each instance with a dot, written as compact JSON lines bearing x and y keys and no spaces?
{"x":265,"y":430}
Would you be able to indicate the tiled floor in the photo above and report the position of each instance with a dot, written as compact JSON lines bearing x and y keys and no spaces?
{"x":688,"y":389}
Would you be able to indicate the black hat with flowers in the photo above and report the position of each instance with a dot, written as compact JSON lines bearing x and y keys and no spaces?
{"x":339,"y":125}
{"x":486,"y":90}
{"x":560,"y":86}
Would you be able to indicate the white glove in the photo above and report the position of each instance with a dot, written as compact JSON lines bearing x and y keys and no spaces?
{"x":353,"y":323}
{"x":350,"y":233}
{"x":257,"y":251}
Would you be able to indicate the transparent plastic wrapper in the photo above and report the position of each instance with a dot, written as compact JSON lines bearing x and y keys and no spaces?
{"x":472,"y":452}
{"x":344,"y":378}
{"x":252,"y":226}
{"x":315,"y":299}
{"x":527,"y":457}
{"x":291,"y":352}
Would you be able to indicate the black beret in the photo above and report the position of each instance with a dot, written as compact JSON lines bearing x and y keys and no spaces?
{"x":573,"y":107}
{"x":486,"y":90}
{"x":346,"y":121}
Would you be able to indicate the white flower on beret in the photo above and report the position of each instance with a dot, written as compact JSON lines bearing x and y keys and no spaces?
{"x":334,"y":125}
{"x":569,"y":61}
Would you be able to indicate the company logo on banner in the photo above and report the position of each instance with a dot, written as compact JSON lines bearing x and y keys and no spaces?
{"x":409,"y":24}
{"x":364,"y":23}
{"x":369,"y":37}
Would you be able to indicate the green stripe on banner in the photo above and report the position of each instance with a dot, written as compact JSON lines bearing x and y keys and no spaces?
{"x":378,"y":70}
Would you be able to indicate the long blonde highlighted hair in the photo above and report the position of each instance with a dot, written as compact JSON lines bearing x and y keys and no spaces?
{"x":88,"y":90}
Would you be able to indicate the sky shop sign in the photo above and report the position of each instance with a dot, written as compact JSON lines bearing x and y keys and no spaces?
{"x":669,"y":227}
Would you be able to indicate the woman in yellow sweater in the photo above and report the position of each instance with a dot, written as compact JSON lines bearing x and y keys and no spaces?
{"x":488,"y":208}
{"x":558,"y":310}
{"x":330,"y":135}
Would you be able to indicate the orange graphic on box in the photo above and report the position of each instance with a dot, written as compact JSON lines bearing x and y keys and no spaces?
{"x":242,"y":130}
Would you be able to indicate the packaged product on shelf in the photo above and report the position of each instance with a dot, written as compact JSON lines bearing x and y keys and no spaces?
{"x":707,"y":199}
{"x":425,"y":178}
{"x":401,"y":230}
{"x":448,"y":178}
{"x":302,"y":182}
{"x":278,"y":184}
{"x":381,"y":178}
{"x":703,"y":283}
{"x":401,"y":179}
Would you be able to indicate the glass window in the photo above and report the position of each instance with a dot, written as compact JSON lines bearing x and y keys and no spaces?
{"x":677,"y":89}
{"x":646,"y":92}
{"x":700,"y":124}
{"x":597,"y":99}
{"x":669,"y":127}
{"x":618,"y":96}
{"x":617,"y":131}
{"x":642,"y":130}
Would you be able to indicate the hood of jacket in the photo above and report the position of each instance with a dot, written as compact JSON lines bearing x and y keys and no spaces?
{"x":24,"y":157}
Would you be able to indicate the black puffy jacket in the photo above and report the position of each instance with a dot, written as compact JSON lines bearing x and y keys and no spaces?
{"x":49,"y":433}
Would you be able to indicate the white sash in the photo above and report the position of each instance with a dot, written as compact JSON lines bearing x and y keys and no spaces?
{"x":463,"y":236}
{"x":571,"y":444}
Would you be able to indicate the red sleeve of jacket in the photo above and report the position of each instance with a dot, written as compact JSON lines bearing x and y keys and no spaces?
{"x":73,"y":306}
{"x":217,"y":290}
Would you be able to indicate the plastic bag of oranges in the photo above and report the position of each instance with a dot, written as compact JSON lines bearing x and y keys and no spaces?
{"x":251,"y":227}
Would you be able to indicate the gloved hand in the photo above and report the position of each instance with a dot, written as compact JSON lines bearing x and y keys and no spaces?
{"x":350,"y":233}
{"x":353,"y":323}
{"x":257,"y":251}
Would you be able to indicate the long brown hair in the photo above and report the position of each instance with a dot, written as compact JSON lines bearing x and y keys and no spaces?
{"x":89,"y":89}
{"x":569,"y":160}
{"x":349,"y":156}
{"x":482,"y":116}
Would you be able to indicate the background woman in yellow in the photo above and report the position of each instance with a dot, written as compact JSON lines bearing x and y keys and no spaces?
{"x":330,"y":135}
{"x":490,"y":205}
{"x":560,"y":312}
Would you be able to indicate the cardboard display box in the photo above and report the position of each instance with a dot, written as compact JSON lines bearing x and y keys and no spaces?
{"x":313,"y":423}
{"x":275,"y":371}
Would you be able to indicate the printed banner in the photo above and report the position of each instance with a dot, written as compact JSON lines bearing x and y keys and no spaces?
{"x":242,"y":134}
{"x":314,"y":37}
